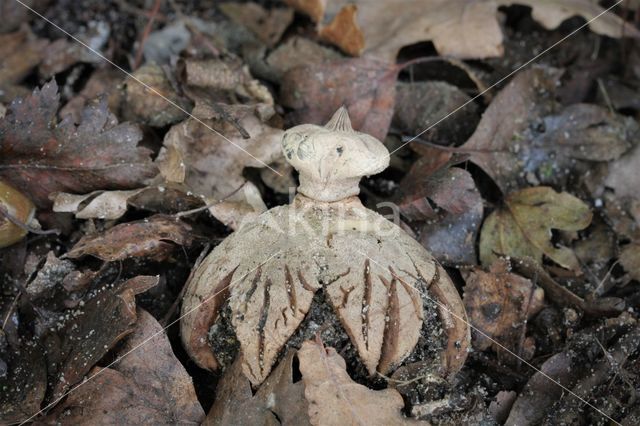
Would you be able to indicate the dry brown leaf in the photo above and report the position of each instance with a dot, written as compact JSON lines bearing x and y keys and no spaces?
{"x":365,"y":87}
{"x":147,"y":386}
{"x":107,"y":318}
{"x":461,"y":28}
{"x":267,"y":24}
{"x":40,"y":158}
{"x":522,"y":227}
{"x":279,"y":400}
{"x":146,"y":106}
{"x":154,"y":238}
{"x":20,"y":53}
{"x":466,"y":29}
{"x":336,"y":399}
{"x":499,"y":303}
{"x":213,"y":167}
{"x":296,"y":51}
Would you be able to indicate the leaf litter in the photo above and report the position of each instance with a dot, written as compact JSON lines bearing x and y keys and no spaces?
{"x":528,"y":196}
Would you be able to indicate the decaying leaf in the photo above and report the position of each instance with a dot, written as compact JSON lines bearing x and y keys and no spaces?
{"x":630,"y":260}
{"x":461,"y":28}
{"x":551,"y":13}
{"x":106,"y":319}
{"x":336,"y":399}
{"x":623,"y":176}
{"x":20,"y":53}
{"x":365,"y":87}
{"x":499,"y":303}
{"x":103,"y":82}
{"x":267,"y":25}
{"x":421,"y":104}
{"x":450,"y":209}
{"x":147,"y":386}
{"x":23,"y":382}
{"x":537,"y":146}
{"x":296,"y":51}
{"x":279,"y":400}
{"x":146,"y":106}
{"x":522,"y":227}
{"x":154,"y":238}
{"x":40,"y":158}
{"x":213,"y":166}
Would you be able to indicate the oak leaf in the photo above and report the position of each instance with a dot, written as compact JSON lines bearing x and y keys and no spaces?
{"x":522,"y":226}
{"x":466,"y":29}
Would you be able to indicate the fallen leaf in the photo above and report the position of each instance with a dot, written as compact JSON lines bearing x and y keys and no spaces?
{"x":23,"y":382}
{"x":460,"y":28}
{"x":103,"y":81}
{"x":536,"y":146}
{"x":421,"y":104}
{"x":630,"y":260}
{"x":334,"y":398}
{"x":267,"y":24}
{"x":365,"y":87}
{"x":147,"y":385}
{"x":39,"y":157}
{"x":20,"y":53}
{"x":279,"y":400}
{"x":449,"y":208}
{"x":154,"y":238}
{"x":522,"y":226}
{"x":49,"y":276}
{"x":146,"y":106}
{"x":63,"y":53}
{"x":499,"y":303}
{"x":464,"y":29}
{"x":213,"y":167}
{"x":297,"y":51}
{"x":623,"y":176}
{"x":103,"y":321}
{"x":551,"y":13}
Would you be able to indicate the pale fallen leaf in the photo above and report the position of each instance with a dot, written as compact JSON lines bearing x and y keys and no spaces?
{"x":213,"y":167}
{"x":630,"y":260}
{"x":460,"y":28}
{"x":334,"y":398}
{"x":467,"y":29}
{"x":522,"y":226}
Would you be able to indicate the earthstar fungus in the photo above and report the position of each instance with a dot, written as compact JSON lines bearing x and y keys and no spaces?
{"x":374,"y":275}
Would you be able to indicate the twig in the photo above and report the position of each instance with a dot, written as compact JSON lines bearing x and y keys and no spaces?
{"x":145,"y":33}
{"x":4,"y":212}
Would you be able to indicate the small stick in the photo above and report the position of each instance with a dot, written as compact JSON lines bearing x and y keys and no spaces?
{"x":145,"y":33}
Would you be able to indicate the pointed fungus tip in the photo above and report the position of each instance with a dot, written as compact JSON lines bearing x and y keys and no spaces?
{"x":340,"y":122}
